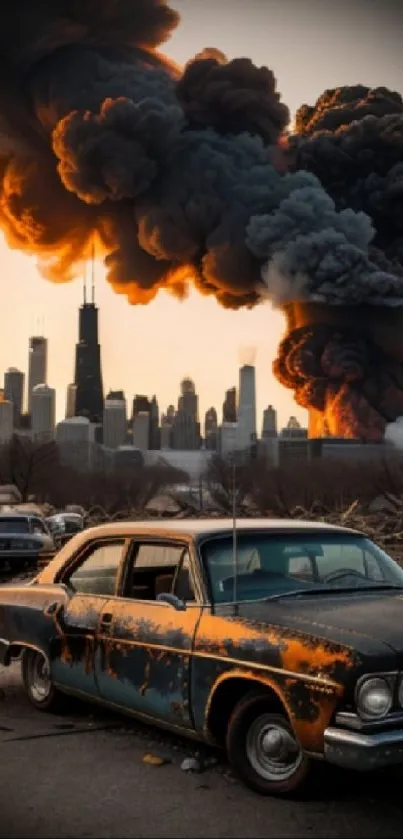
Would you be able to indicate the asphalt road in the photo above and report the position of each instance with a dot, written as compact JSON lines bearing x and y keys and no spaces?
{"x":83,"y":775}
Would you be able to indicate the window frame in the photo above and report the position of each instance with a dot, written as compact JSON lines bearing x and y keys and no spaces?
{"x":78,"y":559}
{"x":164,"y":541}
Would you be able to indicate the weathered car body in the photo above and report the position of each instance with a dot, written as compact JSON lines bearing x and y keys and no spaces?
{"x":24,"y":539}
{"x":146,"y":628}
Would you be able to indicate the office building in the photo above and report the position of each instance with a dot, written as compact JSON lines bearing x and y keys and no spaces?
{"x":186,"y":426}
{"x":141,"y":431}
{"x":37,"y":365}
{"x":88,"y":374}
{"x":43,"y":413}
{"x":114,"y":423}
{"x":247,"y":407}
{"x":269,"y":427}
{"x":71,"y":396}
{"x":210,"y":429}
{"x":229,"y":413}
{"x":14,"y":392}
{"x":76,"y":440}
{"x":6,"y":421}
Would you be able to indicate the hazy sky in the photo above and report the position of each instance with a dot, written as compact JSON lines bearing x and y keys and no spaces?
{"x":310,"y":45}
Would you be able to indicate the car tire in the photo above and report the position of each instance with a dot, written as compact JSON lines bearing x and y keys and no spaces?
{"x":37,"y":682}
{"x":263,"y":750}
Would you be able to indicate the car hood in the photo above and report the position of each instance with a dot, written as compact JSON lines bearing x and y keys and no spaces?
{"x":371,"y":623}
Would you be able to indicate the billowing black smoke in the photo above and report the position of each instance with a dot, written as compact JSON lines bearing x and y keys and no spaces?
{"x":173,"y":172}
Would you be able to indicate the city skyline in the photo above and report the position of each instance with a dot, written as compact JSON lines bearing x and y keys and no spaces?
{"x":145,"y":346}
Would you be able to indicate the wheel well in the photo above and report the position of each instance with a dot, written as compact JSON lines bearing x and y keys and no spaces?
{"x":226,"y":697}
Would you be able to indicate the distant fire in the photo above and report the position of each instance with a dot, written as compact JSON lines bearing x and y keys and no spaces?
{"x":345,"y":366}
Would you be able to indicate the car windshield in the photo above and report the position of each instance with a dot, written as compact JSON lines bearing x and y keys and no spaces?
{"x":270,"y":565}
{"x":14,"y":525}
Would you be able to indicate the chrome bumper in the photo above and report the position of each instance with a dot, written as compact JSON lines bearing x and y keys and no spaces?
{"x":365,"y":752}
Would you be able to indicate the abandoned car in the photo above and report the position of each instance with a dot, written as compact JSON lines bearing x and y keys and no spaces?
{"x":279,"y":640}
{"x":24,"y":539}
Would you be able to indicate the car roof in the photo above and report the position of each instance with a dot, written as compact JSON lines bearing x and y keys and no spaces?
{"x":15,"y":515}
{"x":201,"y":527}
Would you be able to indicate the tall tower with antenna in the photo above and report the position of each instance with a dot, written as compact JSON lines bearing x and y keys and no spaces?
{"x":88,"y":372}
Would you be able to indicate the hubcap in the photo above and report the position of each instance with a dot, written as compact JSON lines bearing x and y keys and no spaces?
{"x":39,"y":677}
{"x":272,"y":750}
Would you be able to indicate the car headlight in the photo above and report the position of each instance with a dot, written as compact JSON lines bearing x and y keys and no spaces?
{"x":374,"y":698}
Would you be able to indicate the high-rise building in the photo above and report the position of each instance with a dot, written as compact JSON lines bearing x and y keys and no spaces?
{"x":247,"y":407}
{"x":37,"y":364}
{"x":186,"y":426}
{"x":114,"y":423}
{"x":229,"y":406}
{"x":88,"y":375}
{"x":71,"y":400}
{"x":210,"y":429}
{"x":155,"y":436}
{"x":269,"y":427}
{"x":14,"y":392}
{"x":75,"y":438}
{"x":166,"y":430}
{"x":141,"y":405}
{"x":43,"y":412}
{"x":228,"y":438}
{"x":6,"y":420}
{"x":141,"y":430}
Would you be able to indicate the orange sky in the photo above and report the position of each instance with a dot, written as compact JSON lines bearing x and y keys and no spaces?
{"x":310,"y":45}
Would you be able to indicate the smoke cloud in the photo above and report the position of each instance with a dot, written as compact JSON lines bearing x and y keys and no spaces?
{"x":180,"y":176}
{"x":175,"y":173}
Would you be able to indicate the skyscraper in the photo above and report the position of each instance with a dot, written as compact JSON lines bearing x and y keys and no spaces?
{"x":186,"y":427}
{"x":114,"y":423}
{"x":14,"y":392}
{"x":43,"y":410}
{"x":269,"y":428}
{"x":88,"y":375}
{"x":247,"y":407}
{"x":210,"y":429}
{"x":37,"y":364}
{"x":6,"y":420}
{"x":229,"y":406}
{"x":71,"y":401}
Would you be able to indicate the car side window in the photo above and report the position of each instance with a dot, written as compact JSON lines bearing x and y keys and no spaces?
{"x":98,"y":572}
{"x":159,"y":568}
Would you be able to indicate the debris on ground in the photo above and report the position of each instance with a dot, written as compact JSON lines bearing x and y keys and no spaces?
{"x":191,"y":764}
{"x":155,"y":759}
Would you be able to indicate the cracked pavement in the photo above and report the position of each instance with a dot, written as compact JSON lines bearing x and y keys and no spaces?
{"x":83,"y":775}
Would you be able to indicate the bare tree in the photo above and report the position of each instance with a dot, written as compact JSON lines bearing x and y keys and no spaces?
{"x":29,"y":466}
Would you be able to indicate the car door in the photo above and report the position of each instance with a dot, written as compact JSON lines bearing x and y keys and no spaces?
{"x":90,"y":582}
{"x":144,"y":654}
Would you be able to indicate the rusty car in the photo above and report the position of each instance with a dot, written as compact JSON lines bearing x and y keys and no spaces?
{"x":280,"y":641}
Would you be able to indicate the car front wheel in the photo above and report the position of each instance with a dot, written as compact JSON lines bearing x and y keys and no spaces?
{"x":37,"y":682}
{"x":263,"y":749}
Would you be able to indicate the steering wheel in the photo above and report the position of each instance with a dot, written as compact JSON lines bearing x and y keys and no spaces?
{"x":343,"y":572}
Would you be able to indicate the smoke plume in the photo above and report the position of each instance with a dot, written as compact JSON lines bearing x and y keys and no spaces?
{"x":349,"y":368}
{"x":180,"y":177}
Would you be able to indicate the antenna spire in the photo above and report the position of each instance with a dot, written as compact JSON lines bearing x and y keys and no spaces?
{"x":93,"y":273}
{"x":85,"y":284}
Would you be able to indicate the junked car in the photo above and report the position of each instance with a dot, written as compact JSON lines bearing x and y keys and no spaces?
{"x":24,"y":539}
{"x":280,"y":641}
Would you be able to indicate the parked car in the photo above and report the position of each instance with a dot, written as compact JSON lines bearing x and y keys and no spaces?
{"x":281,"y":640}
{"x":24,"y":539}
{"x":64,"y":525}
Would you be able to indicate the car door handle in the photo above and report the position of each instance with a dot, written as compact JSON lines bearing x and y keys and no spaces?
{"x":106,"y":620}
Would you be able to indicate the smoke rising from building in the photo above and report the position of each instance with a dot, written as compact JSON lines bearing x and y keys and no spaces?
{"x":179,"y":176}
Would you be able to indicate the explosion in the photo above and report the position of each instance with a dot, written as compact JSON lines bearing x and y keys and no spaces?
{"x":346,"y":364}
{"x":180,"y":176}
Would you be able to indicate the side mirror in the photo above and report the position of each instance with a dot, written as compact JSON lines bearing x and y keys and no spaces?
{"x":172,"y":600}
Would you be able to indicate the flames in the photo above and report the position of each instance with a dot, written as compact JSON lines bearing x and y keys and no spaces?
{"x":345,"y":366}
